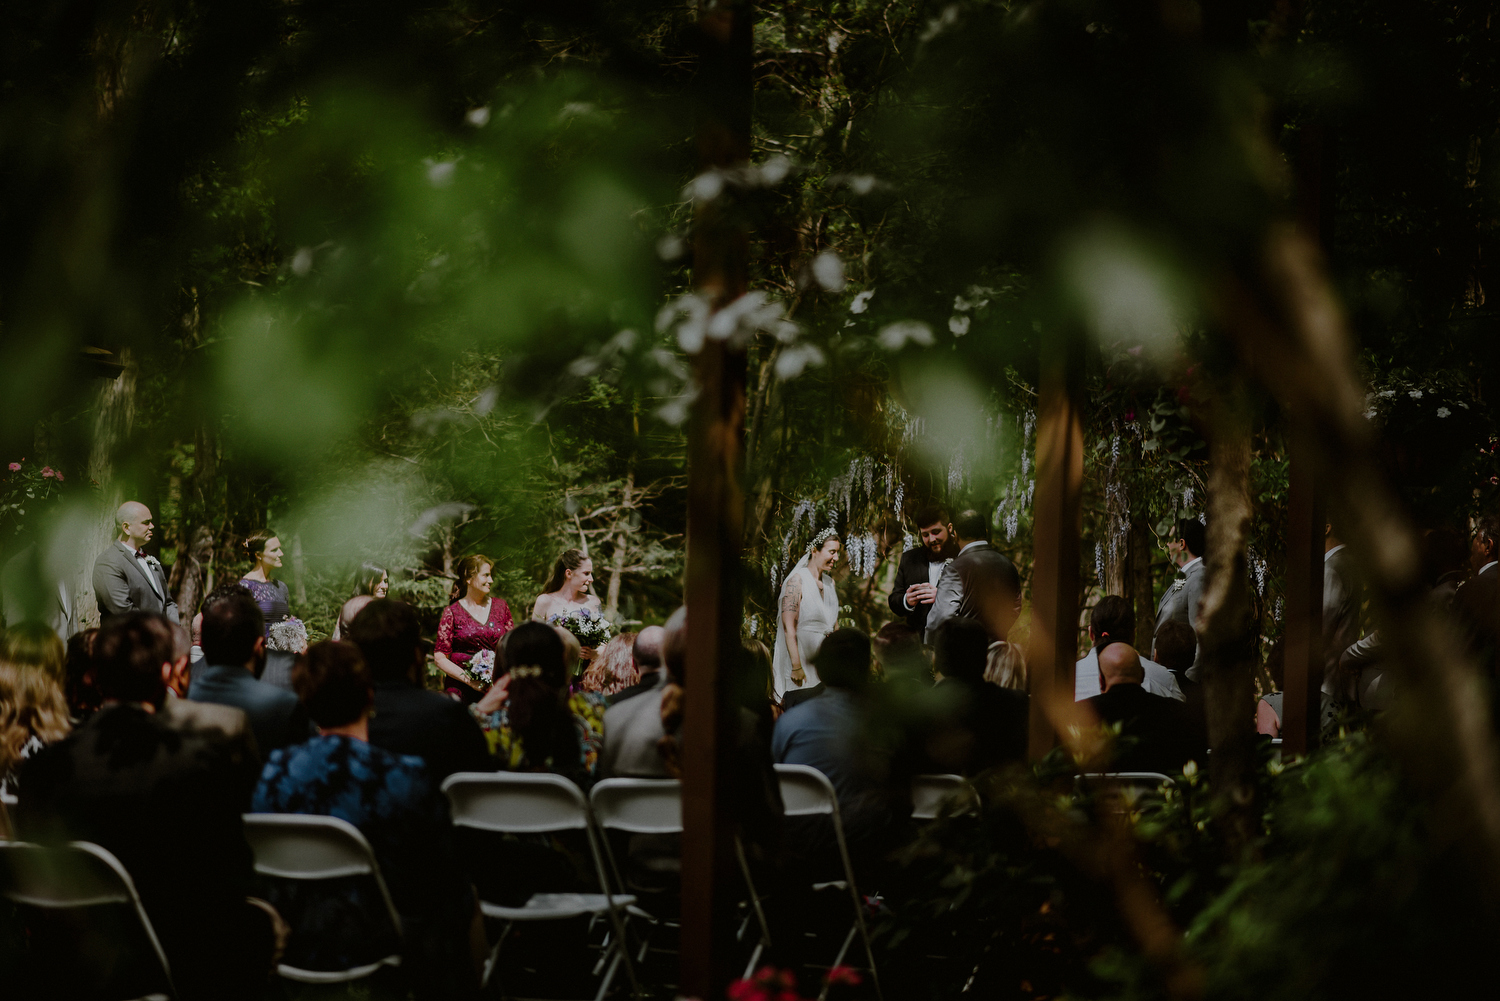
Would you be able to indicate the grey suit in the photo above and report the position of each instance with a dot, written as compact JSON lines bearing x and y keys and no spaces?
{"x":122,"y":586}
{"x":631,"y":731}
{"x":1180,"y":601}
{"x":970,"y":578}
{"x":1341,"y":601}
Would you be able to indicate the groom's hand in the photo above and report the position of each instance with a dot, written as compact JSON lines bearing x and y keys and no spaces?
{"x":920,"y":594}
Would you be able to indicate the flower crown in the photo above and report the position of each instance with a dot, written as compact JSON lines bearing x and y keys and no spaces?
{"x":822,"y":537}
{"x":526,"y":671}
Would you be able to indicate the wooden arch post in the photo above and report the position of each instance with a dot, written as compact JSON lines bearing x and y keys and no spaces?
{"x":716,"y":456}
{"x":1057,"y":524}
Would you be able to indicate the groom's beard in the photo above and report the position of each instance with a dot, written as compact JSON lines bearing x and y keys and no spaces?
{"x":946,"y":551}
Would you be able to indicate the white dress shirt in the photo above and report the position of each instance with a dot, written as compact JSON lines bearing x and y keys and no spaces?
{"x":1159,"y":680}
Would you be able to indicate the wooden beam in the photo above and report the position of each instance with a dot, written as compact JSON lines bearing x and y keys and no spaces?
{"x":1057,"y":522}
{"x":715,"y":522}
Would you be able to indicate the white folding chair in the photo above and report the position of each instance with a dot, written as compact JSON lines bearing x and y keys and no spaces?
{"x":930,"y":792}
{"x":654,"y":806}
{"x":77,"y":875}
{"x":806,"y":792}
{"x":539,"y":803}
{"x":308,"y":847}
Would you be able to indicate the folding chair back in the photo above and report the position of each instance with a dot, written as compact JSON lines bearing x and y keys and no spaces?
{"x":930,"y":792}
{"x":309,"y":847}
{"x":806,"y":792}
{"x":77,"y":875}
{"x":640,"y":806}
{"x":516,"y":802}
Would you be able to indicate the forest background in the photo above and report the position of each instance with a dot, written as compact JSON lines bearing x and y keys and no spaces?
{"x":409,"y":281}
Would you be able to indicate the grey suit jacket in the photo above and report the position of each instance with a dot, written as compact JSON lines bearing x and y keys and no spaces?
{"x":962,"y":582}
{"x":121,"y":586}
{"x":1341,"y":601}
{"x":631,"y":731}
{"x":1180,"y":601}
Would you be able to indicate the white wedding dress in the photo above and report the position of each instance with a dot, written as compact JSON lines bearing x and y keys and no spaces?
{"x":817,"y":616}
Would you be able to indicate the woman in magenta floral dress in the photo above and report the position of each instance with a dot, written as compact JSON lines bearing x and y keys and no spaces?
{"x":469,"y":632}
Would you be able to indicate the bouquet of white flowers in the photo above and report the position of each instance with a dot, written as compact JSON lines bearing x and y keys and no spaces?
{"x":287,"y":636}
{"x":591,"y":630}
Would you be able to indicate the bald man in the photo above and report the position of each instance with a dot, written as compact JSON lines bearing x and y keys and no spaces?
{"x":1157,"y":734}
{"x":125,"y":578}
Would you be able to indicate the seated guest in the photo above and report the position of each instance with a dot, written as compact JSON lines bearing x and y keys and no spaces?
{"x":1175,"y":647}
{"x":613,"y":668}
{"x":980,"y":725}
{"x":633,"y":729}
{"x":82,"y":686}
{"x":409,"y":719}
{"x":33,"y":706}
{"x":536,"y":729}
{"x":399,"y":811}
{"x":1113,"y":621}
{"x":899,"y":652}
{"x":1157,"y":734}
{"x":234,"y":646}
{"x":646,"y":652}
{"x":347,"y":612}
{"x":181,"y":713}
{"x":167,"y":804}
{"x":829,"y":734}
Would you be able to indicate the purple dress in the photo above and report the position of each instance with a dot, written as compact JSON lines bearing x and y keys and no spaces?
{"x":274,"y":599}
{"x":460,"y":637}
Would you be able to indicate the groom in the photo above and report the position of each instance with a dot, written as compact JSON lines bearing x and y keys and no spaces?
{"x":125,"y":578}
{"x":917,"y":574}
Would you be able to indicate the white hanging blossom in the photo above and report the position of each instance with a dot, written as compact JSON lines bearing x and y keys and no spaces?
{"x":900,"y":500}
{"x":862,"y":301}
{"x":1277,"y":613}
{"x":755,"y":624}
{"x":1099,"y":562}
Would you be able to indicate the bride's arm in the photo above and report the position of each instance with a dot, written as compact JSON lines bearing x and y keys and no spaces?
{"x":791,"y":610}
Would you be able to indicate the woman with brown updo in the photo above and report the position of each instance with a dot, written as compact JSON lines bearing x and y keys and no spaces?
{"x":469,"y":632}
{"x":275,"y":601}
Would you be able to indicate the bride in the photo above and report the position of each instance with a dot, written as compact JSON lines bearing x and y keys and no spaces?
{"x":809,"y":612}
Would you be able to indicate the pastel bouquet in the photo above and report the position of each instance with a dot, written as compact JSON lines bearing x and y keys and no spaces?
{"x":591,"y":630}
{"x":482,"y":666}
{"x":287,"y":636}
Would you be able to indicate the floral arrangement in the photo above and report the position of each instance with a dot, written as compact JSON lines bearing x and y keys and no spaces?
{"x":771,"y":984}
{"x":288,"y":636}
{"x":591,"y":630}
{"x":481,"y":667}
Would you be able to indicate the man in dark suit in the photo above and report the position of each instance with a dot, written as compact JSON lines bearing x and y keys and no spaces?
{"x":917,"y":574}
{"x":167,"y":803}
{"x":234,"y":646}
{"x":1157,"y":734}
{"x":979,"y":583}
{"x":125,"y":578}
{"x":981,"y":725}
{"x":409,"y":719}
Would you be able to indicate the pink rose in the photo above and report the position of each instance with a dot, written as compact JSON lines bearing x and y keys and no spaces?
{"x":15,"y":467}
{"x":58,"y":474}
{"x":47,"y":473}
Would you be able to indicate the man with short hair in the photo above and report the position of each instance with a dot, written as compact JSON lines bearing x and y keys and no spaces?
{"x":981,"y":725}
{"x":125,"y":578}
{"x":1156,"y":734}
{"x":1179,"y":602}
{"x":181,"y":713}
{"x":979,"y":583}
{"x":410,"y":719}
{"x":917,"y":574}
{"x":1112,"y":620}
{"x":234,"y":647}
{"x":647,"y":655}
{"x":167,"y":802}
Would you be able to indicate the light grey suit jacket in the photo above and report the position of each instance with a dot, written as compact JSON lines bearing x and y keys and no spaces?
{"x":1341,"y":602}
{"x":631,"y":731}
{"x":122,"y":586}
{"x":1180,"y":601}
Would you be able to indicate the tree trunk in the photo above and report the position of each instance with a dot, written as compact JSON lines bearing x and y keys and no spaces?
{"x":1143,"y":599}
{"x":1226,"y":624}
{"x":299,"y":573}
{"x":191,"y":571}
{"x":620,"y":559}
{"x":114,"y":416}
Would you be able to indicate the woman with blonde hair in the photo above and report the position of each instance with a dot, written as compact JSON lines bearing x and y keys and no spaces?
{"x":33,"y":706}
{"x":613,"y":668}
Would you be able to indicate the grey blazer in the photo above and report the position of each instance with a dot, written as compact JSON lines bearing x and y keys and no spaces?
{"x":631,"y":731}
{"x":1341,"y":602}
{"x":963,"y":580}
{"x":1179,"y":602}
{"x":121,"y":586}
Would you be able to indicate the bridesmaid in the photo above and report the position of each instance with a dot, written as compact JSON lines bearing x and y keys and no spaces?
{"x":274,"y":599}
{"x":473,"y":622}
{"x":373,"y":580}
{"x":568,"y":591}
